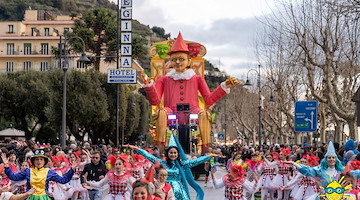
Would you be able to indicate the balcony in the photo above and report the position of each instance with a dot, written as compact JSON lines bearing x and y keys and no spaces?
{"x":18,"y":54}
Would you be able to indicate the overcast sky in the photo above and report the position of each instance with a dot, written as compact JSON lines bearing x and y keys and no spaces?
{"x":226,"y":28}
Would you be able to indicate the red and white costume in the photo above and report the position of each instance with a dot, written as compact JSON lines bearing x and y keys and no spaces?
{"x":61,"y":191}
{"x":281,"y":178}
{"x":136,"y":170}
{"x":236,"y":189}
{"x":166,"y":191}
{"x":267,"y":176}
{"x":5,"y":181}
{"x":306,"y":187}
{"x":19,"y":186}
{"x":120,"y":185}
{"x":75,"y":183}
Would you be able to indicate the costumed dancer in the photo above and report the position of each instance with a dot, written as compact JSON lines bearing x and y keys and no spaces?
{"x":251,"y":167}
{"x":165,"y":188}
{"x":181,"y":85}
{"x":38,"y":176}
{"x":267,"y":176}
{"x":61,"y":191}
{"x":146,"y":164}
{"x":235,"y":183}
{"x":330,"y":167}
{"x":84,"y":158}
{"x":120,"y":182}
{"x":282,"y":176}
{"x":20,"y":187}
{"x":75,"y":182}
{"x":178,"y":168}
{"x":209,"y":165}
{"x":235,"y":158}
{"x":4,"y":180}
{"x":13,"y":163}
{"x":353,"y":168}
{"x":135,"y":167}
{"x":304,"y":187}
{"x":144,"y":190}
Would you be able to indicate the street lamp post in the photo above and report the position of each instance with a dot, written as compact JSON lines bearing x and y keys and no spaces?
{"x":225,"y":128}
{"x":247,"y":83}
{"x":117,"y":84}
{"x":65,"y":65}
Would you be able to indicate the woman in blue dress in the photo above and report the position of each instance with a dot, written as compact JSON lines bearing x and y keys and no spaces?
{"x":178,"y":168}
{"x":329,"y":169}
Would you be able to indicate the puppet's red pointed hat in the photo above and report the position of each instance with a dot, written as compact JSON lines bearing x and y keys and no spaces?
{"x":179,"y":45}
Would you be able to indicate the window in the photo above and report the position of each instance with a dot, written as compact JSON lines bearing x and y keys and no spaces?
{"x":11,"y":28}
{"x":27,"y":66}
{"x":80,"y":65}
{"x":27,"y":49}
{"x":33,"y":31}
{"x":47,"y":31}
{"x":10,"y":48}
{"x":9,"y":66}
{"x":44,"y":48}
{"x":44,"y":66}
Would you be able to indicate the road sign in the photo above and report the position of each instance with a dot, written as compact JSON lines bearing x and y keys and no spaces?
{"x":122,"y":76}
{"x":221,"y":136}
{"x":306,"y":116}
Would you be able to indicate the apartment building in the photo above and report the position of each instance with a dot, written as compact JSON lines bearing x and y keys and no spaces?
{"x":26,"y":45}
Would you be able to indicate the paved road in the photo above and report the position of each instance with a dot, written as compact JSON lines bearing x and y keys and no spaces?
{"x":210,"y":192}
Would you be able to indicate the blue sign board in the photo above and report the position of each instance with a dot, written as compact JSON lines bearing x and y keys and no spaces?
{"x":122,"y":76}
{"x":306,"y":113}
{"x":221,"y":136}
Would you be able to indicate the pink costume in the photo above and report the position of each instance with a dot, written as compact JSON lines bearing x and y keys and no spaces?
{"x":179,"y":88}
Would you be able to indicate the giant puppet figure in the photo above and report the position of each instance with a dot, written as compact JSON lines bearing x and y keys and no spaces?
{"x":180,"y":85}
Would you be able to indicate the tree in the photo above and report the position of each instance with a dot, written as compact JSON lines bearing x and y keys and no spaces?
{"x":161,"y":32}
{"x":139,"y":47}
{"x":238,"y":110}
{"x":23,"y":97}
{"x":73,"y":15}
{"x":86,"y":102}
{"x":98,"y":30}
{"x":318,"y":42}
